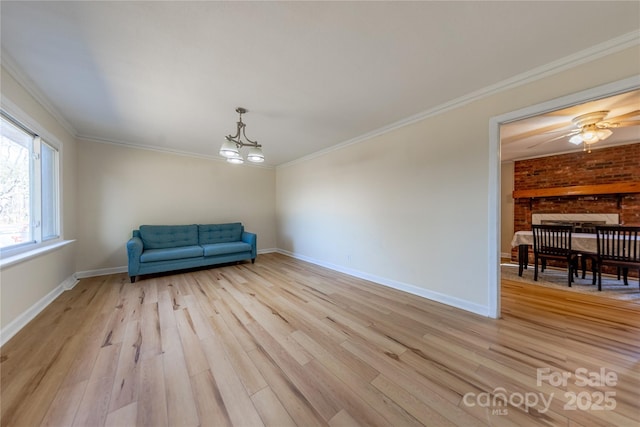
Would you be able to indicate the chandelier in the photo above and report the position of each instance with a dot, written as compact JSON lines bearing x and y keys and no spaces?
{"x":231,"y":147}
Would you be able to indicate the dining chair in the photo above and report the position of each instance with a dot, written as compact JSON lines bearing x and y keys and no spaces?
{"x":583,"y":257}
{"x":618,"y":246}
{"x":553,"y":242}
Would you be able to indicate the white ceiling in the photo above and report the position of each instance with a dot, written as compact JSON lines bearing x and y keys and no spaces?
{"x":169,"y":75}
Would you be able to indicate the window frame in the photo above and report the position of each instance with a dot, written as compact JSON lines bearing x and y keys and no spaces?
{"x":21,"y":251}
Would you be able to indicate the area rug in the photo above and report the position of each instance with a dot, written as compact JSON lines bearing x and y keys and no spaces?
{"x":556,"y":278}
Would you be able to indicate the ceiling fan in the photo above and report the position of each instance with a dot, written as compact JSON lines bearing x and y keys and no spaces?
{"x":592,"y":127}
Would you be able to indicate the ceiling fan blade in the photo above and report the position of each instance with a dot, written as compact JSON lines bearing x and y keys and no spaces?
{"x":554,"y":139}
{"x":622,"y":117}
{"x":561,"y":127}
{"x":627,"y":124}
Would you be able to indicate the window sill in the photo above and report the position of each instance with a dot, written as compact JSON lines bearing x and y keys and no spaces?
{"x":28,"y":255}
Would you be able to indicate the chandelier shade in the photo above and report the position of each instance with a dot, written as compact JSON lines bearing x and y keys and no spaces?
{"x":231,"y":146}
{"x":229,"y":149}
{"x":255,"y":155}
{"x":236,"y":159}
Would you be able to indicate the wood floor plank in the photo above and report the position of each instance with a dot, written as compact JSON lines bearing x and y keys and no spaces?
{"x":240,"y":332}
{"x":211,"y":408}
{"x":358,"y":383}
{"x":234,"y":395}
{"x":82,"y":365}
{"x":422,"y":388}
{"x":200,"y":322}
{"x":152,"y":403}
{"x":94,"y":406}
{"x":271,"y":409}
{"x":125,"y":416}
{"x":343,"y":419}
{"x":409,"y":402}
{"x":125,"y":384}
{"x":240,"y":360}
{"x":284,"y":342}
{"x":313,"y":392}
{"x":191,"y":344}
{"x":298,"y":406}
{"x":165,"y":310}
{"x":345,"y":398}
{"x":151,"y":344}
{"x":63,"y":408}
{"x":181,"y":407}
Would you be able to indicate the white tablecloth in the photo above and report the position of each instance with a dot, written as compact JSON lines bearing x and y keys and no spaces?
{"x":581,"y":242}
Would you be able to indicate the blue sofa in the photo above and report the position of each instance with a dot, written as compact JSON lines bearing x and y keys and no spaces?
{"x":160,"y":248}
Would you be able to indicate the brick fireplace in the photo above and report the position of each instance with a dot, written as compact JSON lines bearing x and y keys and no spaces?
{"x":613,"y":165}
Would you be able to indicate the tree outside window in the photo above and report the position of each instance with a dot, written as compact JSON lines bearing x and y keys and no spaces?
{"x":28,"y":187}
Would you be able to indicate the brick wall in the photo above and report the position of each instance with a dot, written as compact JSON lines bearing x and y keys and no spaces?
{"x":601,"y":166}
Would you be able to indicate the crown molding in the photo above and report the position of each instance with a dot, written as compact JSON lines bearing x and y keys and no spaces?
{"x":587,"y":55}
{"x":9,"y":64}
{"x":166,"y":151}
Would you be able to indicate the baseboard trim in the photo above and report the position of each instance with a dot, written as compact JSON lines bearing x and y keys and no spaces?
{"x":100,"y":272}
{"x":123,"y":269}
{"x":405,"y":287}
{"x":29,"y":314}
{"x":70,"y":282}
{"x":267,"y":251}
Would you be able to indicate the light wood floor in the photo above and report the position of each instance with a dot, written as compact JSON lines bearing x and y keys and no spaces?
{"x":282,"y":342}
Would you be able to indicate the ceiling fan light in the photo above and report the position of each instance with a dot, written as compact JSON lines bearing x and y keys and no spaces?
{"x":576,"y":139}
{"x":255,"y":155}
{"x":604,"y":134}
{"x":229,"y":149}
{"x":589,"y":136}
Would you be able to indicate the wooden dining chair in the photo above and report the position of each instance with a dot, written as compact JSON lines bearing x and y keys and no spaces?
{"x":618,"y":246}
{"x":553,"y":242}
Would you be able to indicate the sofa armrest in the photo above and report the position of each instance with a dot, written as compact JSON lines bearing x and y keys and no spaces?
{"x":134,"y":251}
{"x":250,"y":238}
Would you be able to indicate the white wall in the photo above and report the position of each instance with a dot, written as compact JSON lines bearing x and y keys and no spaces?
{"x":24,"y":284}
{"x":120,"y":188}
{"x":410,"y":207}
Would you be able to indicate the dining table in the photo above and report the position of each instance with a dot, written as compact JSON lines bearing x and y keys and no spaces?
{"x":584,"y":243}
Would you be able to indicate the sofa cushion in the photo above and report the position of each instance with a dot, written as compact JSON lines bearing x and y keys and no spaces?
{"x":168,"y":236}
{"x":168,"y":254}
{"x":219,"y":233}
{"x":226,"y":248}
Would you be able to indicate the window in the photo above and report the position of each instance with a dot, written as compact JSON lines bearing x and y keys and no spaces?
{"x":29,"y":188}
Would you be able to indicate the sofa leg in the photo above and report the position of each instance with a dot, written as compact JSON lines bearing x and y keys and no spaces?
{"x":133,"y":279}
{"x":253,"y":260}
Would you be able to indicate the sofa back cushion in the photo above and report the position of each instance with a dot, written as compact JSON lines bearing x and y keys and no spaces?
{"x":168,"y":236}
{"x":220,"y":233}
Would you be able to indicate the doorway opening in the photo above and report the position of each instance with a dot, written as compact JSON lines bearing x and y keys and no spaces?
{"x":501,"y":129}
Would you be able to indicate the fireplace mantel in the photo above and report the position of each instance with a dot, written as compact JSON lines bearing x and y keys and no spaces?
{"x":579,"y":190}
